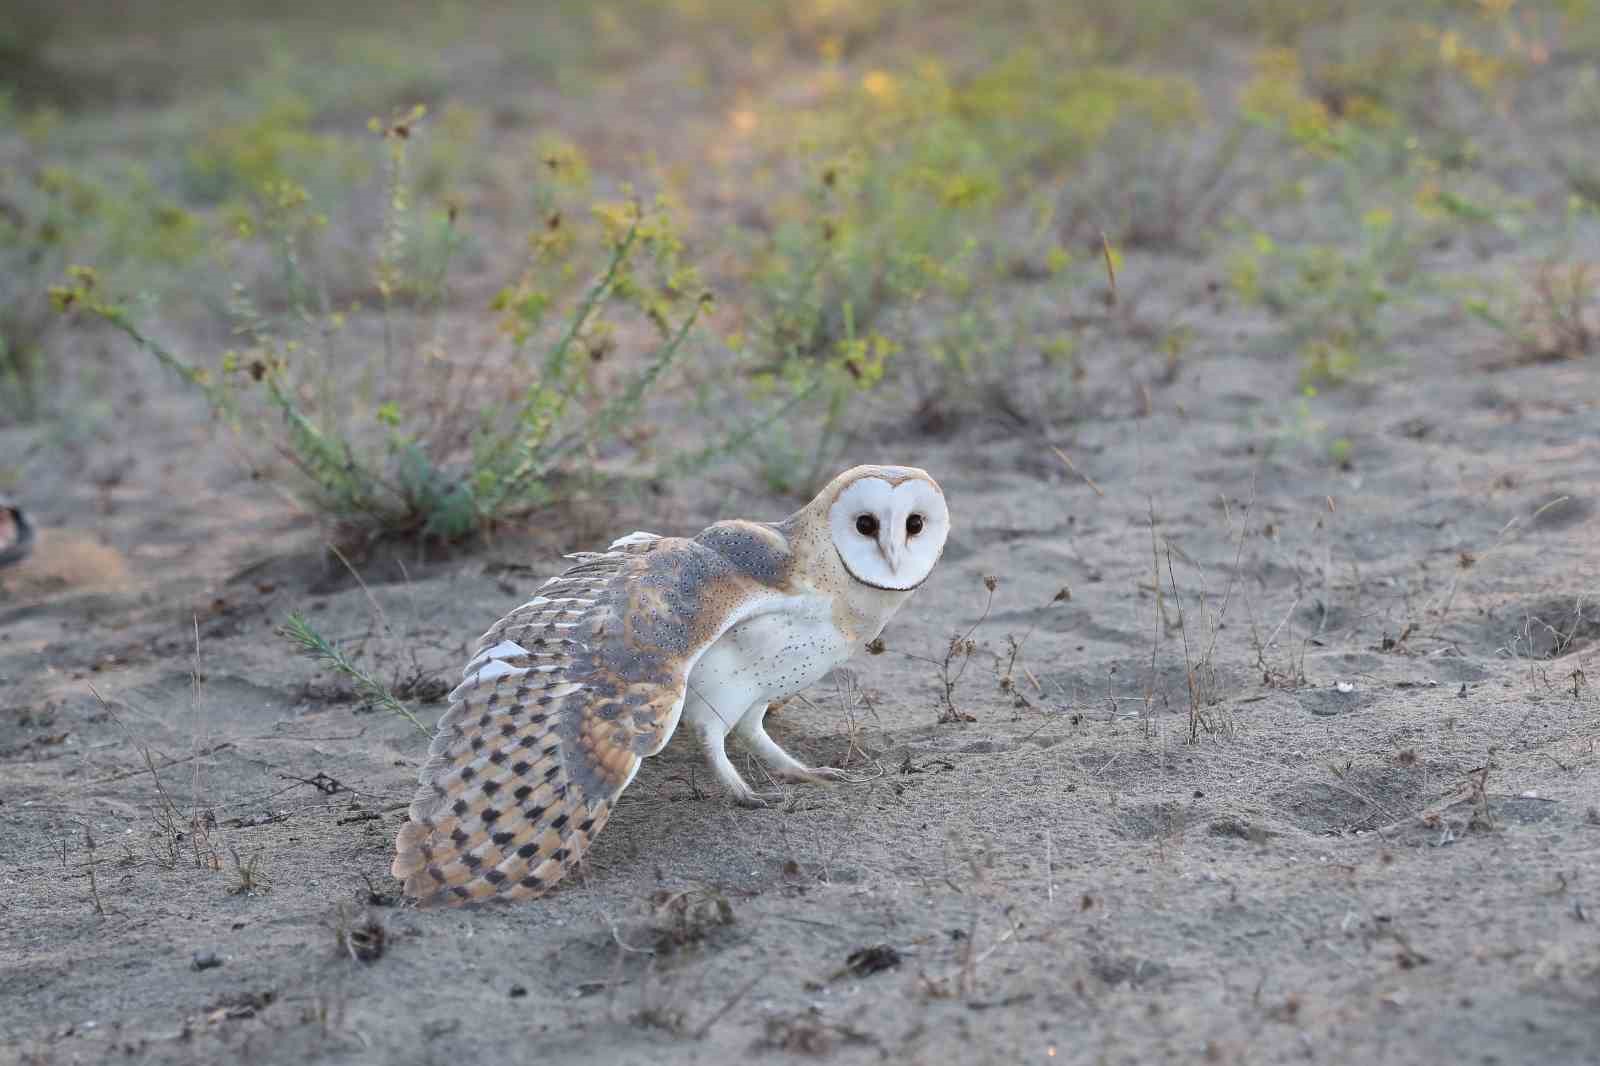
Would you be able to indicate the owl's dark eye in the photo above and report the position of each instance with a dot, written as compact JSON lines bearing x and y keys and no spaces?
{"x":913,"y":525}
{"x":867,"y":525}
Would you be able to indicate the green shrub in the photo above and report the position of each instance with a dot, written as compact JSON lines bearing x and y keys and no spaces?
{"x":1333,"y":297}
{"x":897,"y":187}
{"x":1361,"y":207}
{"x":277,"y":142}
{"x":389,"y":423}
{"x":51,"y":215}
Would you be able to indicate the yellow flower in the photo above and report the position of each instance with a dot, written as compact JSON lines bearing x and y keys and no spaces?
{"x":880,"y":85}
{"x":616,"y":219}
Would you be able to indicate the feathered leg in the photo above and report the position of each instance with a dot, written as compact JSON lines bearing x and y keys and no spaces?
{"x":713,"y":734}
{"x":752,"y":732}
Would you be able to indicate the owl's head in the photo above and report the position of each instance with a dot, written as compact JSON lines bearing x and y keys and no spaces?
{"x":888,"y":524}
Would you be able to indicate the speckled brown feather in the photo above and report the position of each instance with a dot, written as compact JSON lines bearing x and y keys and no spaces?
{"x":562,"y":699}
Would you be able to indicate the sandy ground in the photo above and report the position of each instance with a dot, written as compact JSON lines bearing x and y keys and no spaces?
{"x":1382,"y":843}
{"x":1304,"y":769}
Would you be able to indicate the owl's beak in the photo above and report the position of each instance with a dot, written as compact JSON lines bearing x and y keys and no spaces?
{"x":892,"y":554}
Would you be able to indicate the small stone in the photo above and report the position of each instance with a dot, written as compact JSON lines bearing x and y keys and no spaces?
{"x":864,"y":962}
{"x":207,"y":960}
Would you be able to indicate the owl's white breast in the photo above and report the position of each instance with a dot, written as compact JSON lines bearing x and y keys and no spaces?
{"x":770,"y":655}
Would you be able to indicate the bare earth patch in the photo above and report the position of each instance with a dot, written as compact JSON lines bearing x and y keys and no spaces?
{"x":1382,"y":840}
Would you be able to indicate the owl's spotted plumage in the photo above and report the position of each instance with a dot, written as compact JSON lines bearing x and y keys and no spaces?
{"x":568,"y":693}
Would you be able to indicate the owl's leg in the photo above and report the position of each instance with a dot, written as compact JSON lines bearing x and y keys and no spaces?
{"x":752,"y":732}
{"x":713,"y":734}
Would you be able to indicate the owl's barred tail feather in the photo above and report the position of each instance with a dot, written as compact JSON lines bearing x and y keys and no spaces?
{"x":553,"y":855}
{"x":522,"y":772}
{"x":498,"y":814}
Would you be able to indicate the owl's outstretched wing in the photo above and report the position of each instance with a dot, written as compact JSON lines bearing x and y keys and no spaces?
{"x":561,"y":700}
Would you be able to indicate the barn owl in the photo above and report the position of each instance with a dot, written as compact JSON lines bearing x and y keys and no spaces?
{"x":567,"y":694}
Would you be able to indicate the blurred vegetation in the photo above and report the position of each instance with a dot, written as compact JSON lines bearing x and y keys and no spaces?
{"x":52,"y":213}
{"x":393,"y":430}
{"x":911,"y":210}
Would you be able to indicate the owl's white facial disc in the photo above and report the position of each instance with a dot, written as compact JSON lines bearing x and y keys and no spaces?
{"x":889,"y":535}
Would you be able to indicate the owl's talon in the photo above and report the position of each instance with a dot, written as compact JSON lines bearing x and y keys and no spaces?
{"x":758,"y":801}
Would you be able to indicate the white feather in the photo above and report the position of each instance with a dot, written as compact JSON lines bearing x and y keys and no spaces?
{"x":490,"y":671}
{"x":506,"y":649}
{"x":638,"y":537}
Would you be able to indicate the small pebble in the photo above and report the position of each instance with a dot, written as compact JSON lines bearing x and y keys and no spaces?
{"x":206,"y":960}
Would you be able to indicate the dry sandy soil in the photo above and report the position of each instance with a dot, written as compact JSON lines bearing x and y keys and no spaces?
{"x":1382,"y":844}
{"x":1305,"y":769}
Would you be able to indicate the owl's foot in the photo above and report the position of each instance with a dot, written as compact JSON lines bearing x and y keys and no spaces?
{"x":783,"y":766}
{"x":753,"y":800}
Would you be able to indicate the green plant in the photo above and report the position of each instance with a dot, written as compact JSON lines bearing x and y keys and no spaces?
{"x":1333,"y":298}
{"x":392,"y":426}
{"x":893,"y":228}
{"x":1340,"y":276}
{"x":894,"y":183}
{"x":276,"y":142}
{"x":302,"y":633}
{"x":51,"y":215}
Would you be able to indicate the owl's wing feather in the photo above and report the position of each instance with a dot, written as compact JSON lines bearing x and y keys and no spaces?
{"x":633,"y":539}
{"x":559,"y":703}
